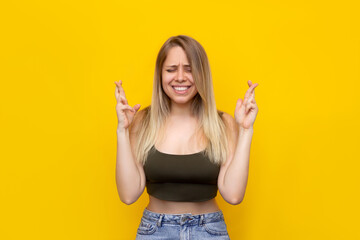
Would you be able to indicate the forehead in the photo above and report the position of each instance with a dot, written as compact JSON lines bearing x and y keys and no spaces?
{"x":176,"y":56}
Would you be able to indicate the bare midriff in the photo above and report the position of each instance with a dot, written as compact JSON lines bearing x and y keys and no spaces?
{"x":171,"y":207}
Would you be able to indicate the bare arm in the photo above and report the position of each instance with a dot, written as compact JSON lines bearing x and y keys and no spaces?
{"x":233,"y":174}
{"x":130,"y":176}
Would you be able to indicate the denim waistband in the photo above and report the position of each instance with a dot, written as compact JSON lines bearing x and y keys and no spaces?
{"x":184,"y":218}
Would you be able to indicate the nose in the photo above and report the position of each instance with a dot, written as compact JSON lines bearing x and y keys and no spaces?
{"x":180,"y":75}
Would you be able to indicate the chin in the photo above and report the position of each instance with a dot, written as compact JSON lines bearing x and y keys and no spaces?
{"x":182,"y":101}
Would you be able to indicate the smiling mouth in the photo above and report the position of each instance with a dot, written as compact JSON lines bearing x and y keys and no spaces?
{"x":182,"y":89}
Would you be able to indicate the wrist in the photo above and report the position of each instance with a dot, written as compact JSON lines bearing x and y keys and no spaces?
{"x":121,"y":130}
{"x":246,"y":130}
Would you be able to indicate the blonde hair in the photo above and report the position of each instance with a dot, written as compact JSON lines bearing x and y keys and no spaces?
{"x":203,"y":105}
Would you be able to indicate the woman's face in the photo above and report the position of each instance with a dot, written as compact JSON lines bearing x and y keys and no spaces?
{"x":177,"y":79}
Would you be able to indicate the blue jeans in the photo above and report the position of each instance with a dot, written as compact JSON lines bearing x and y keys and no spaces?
{"x":160,"y":226}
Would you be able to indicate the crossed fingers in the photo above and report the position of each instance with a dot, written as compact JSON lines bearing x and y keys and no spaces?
{"x":120,"y":93}
{"x":250,"y":93}
{"x":121,"y":98}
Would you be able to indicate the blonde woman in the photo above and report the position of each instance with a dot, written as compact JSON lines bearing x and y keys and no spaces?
{"x":182,"y":148}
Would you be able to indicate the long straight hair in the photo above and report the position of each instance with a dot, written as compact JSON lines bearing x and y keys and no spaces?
{"x":203,"y":106}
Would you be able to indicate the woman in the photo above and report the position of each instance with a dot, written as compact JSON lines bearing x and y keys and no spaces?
{"x":182,"y":148}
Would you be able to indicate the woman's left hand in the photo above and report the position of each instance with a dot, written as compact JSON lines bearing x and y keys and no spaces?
{"x":246,"y":111}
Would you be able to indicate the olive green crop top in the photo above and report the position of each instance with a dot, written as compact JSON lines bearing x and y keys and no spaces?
{"x":181,"y":178}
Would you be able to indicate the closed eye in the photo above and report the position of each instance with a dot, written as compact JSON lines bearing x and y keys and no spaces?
{"x":174,"y":70}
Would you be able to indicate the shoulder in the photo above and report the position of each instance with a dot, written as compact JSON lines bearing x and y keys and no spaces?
{"x":232,"y":133}
{"x":231,"y":129}
{"x":228,"y":120}
{"x":226,"y":117}
{"x":138,"y":119}
{"x":141,"y":114}
{"x":136,"y":126}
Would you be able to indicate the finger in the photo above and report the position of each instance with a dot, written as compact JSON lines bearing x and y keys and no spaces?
{"x":252,"y":97}
{"x":248,"y":101}
{"x":121,"y":89}
{"x":127,"y":107}
{"x":243,"y":105}
{"x":248,"y":91}
{"x":254,"y":86}
{"x":120,"y":97}
{"x":117,"y":89}
{"x":137,"y":107}
{"x":117,"y":85}
{"x":123,"y":99}
{"x":238,"y":103}
{"x":253,"y":106}
{"x":117,"y":95}
{"x":251,"y":88}
{"x":250,"y":106}
{"x":248,"y":98}
{"x":247,"y":107}
{"x":116,"y":92}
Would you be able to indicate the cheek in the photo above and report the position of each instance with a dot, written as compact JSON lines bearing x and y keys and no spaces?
{"x":166,"y":78}
{"x":165,"y":86}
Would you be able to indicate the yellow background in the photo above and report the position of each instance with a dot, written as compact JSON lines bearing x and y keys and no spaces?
{"x":59,"y":61}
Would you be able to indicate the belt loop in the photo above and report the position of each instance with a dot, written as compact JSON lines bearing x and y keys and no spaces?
{"x":160,"y":219}
{"x":201,"y":219}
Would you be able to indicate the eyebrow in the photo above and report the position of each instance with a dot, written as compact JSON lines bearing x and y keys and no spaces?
{"x":185,"y":65}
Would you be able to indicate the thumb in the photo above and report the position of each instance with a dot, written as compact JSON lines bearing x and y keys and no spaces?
{"x":239,"y":103}
{"x":137,"y":107}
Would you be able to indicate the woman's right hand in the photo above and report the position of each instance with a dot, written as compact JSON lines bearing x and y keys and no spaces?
{"x":125,"y":113}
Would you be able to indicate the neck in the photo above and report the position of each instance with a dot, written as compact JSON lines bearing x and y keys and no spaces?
{"x":180,"y":109}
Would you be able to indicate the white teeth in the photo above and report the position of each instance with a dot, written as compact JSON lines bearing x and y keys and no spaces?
{"x":180,"y":88}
